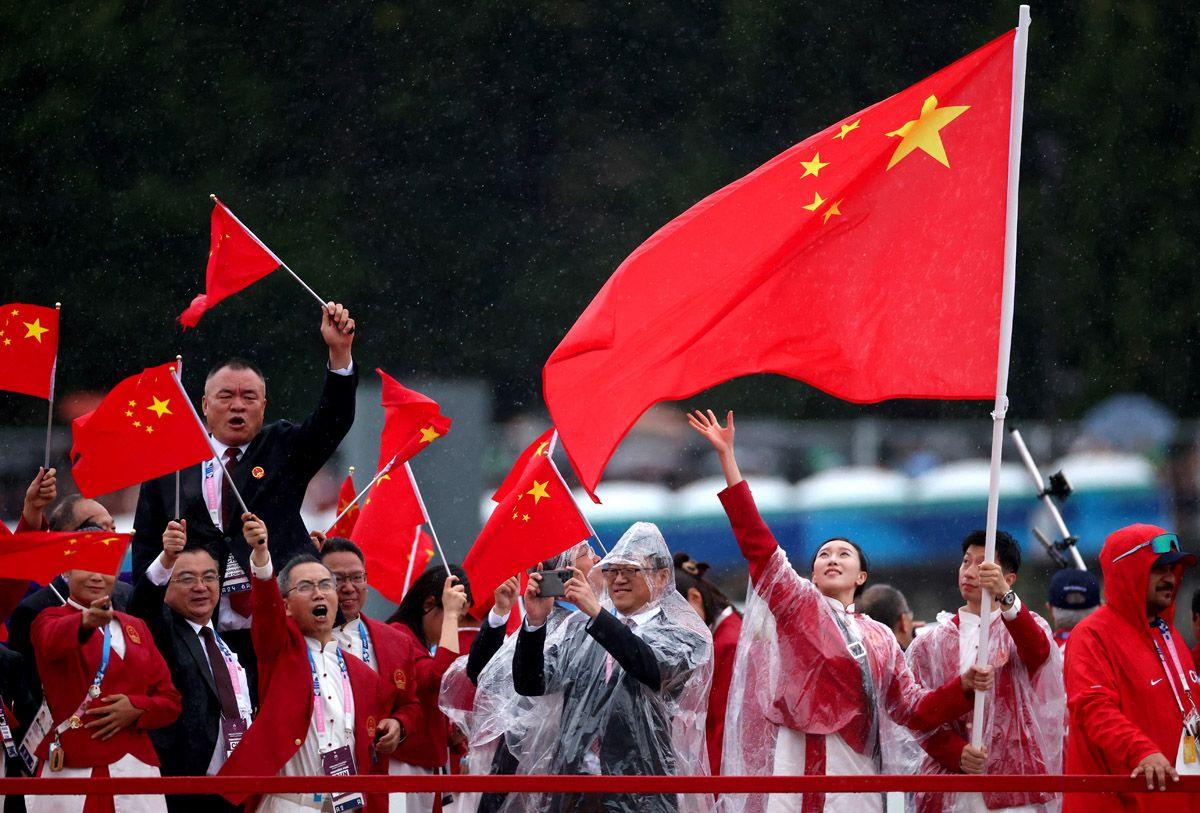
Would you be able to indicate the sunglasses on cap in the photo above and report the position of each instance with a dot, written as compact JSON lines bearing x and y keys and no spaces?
{"x":1163,"y":543}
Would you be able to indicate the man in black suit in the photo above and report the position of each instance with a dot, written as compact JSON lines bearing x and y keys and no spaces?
{"x":633,"y":667}
{"x":271,"y":466}
{"x":176,"y":597}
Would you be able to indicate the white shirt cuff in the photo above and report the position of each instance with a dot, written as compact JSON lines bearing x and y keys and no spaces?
{"x":1011,"y":612}
{"x":158,"y":573}
{"x":344,"y":370}
{"x":495,"y":620}
{"x":266,"y":572}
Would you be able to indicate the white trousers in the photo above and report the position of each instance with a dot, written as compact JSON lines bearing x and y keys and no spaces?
{"x":127,"y":765}
{"x":840,"y":760}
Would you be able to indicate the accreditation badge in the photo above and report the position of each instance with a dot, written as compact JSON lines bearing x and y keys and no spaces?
{"x":340,"y":762}
{"x":1187,"y":761}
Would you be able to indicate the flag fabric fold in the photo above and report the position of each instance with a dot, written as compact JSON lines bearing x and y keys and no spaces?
{"x":236,"y":259}
{"x":411,"y":421}
{"x":144,"y":428}
{"x":866,"y":260}
{"x":41,"y":555}
{"x":536,"y":519}
{"x":28,"y":348}
{"x":388,"y":523}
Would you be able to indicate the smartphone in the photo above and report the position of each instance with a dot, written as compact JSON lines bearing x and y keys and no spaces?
{"x":553,"y":582}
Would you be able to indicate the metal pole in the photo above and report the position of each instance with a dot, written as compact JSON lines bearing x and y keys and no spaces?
{"x":428,"y":521}
{"x":208,"y":439}
{"x":1046,"y":499}
{"x":50,"y":404}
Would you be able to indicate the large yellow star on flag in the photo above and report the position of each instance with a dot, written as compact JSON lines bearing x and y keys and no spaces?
{"x":924,"y":133}
{"x":35,"y":330}
{"x":429,"y":435}
{"x":159,"y":408}
{"x":538,"y":491}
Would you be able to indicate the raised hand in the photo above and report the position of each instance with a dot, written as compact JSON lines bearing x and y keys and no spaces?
{"x":537,"y":606}
{"x":98,"y":614}
{"x":41,"y":492}
{"x":337,"y":329}
{"x":454,"y":597}
{"x":506,"y":595}
{"x":255,"y":532}
{"x":721,"y":438}
{"x":174,"y":540}
{"x":579,"y":592}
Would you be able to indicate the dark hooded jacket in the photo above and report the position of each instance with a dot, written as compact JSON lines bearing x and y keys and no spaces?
{"x":1120,"y":706}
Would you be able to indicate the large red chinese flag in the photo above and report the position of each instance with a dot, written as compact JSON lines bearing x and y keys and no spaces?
{"x":40,"y":556}
{"x":28,"y":348}
{"x":540,"y":446}
{"x":144,"y":428}
{"x":236,"y":259}
{"x":866,"y":261}
{"x":536,"y":519}
{"x":347,"y":509}
{"x":384,"y":530}
{"x":411,"y":421}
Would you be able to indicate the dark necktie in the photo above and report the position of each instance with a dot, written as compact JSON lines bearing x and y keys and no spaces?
{"x":230,"y":513}
{"x":229,"y":706}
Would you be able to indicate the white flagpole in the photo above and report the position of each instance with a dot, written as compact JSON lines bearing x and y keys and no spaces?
{"x":412,"y":558}
{"x":1020,"y":45}
{"x":363,"y":492}
{"x":178,"y":369}
{"x":50,"y":405}
{"x":208,"y":440}
{"x":274,"y":256}
{"x":428,"y":521}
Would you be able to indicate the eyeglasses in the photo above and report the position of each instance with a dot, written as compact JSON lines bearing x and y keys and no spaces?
{"x":191,"y":579}
{"x":307,"y":588}
{"x":359,"y":578}
{"x":627,"y":572}
{"x":1163,"y":543}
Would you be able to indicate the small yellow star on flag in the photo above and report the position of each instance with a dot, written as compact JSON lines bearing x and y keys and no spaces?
{"x":429,"y":435}
{"x":814,"y":166}
{"x":831,"y":211}
{"x":816,"y":204}
{"x":924,"y":133}
{"x":846,"y":128}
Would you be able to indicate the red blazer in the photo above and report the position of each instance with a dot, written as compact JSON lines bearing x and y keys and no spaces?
{"x":428,"y":746}
{"x":725,"y":639}
{"x":285,"y":690}
{"x":67,"y":668}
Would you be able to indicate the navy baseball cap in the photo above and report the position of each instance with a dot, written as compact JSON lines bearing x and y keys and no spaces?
{"x":1073,"y":589}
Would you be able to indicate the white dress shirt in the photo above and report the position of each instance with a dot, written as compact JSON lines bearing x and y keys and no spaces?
{"x":350,"y":637}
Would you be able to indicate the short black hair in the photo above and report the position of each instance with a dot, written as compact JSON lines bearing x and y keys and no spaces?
{"x":235,"y":363}
{"x":285,"y":573}
{"x":62,"y":518}
{"x":884,"y":603}
{"x":1008,"y":552}
{"x":428,"y":585}
{"x":690,"y":574}
{"x":197,"y":547}
{"x":339,"y":544}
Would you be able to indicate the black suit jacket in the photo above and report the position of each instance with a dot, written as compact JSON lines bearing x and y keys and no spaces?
{"x":287,"y":455}
{"x":186,"y":746}
{"x":20,"y":626}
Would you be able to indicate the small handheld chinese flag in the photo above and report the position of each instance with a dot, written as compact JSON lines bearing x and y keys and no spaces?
{"x":28,"y":348}
{"x":536,"y":519}
{"x":391,"y":516}
{"x":866,"y":261}
{"x":541,"y":446}
{"x":411,"y":421}
{"x":347,"y":509}
{"x":394,"y":573}
{"x":40,"y":556}
{"x":144,"y":428}
{"x":236,"y":259}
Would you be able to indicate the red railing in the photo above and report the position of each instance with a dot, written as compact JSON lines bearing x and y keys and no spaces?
{"x":585,"y":784}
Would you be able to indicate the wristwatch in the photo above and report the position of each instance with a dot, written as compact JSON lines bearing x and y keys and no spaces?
{"x":1008,"y":599}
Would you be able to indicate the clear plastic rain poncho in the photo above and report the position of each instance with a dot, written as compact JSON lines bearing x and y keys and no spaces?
{"x":794,"y":675}
{"x":610,"y":722}
{"x":494,"y":718}
{"x":1025,"y":716}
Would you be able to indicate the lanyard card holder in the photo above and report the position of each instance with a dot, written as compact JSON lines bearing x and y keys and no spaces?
{"x":340,"y":762}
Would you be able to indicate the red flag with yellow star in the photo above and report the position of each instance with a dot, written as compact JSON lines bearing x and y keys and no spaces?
{"x":28,"y":348}
{"x":391,"y":517}
{"x":41,"y":555}
{"x":346,"y":504}
{"x":540,"y":446}
{"x":236,"y":259}
{"x":866,"y":260}
{"x":411,"y":421}
{"x":537,"y":519}
{"x":144,"y":428}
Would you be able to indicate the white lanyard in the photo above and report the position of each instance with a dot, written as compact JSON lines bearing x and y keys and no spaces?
{"x":319,"y":701}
